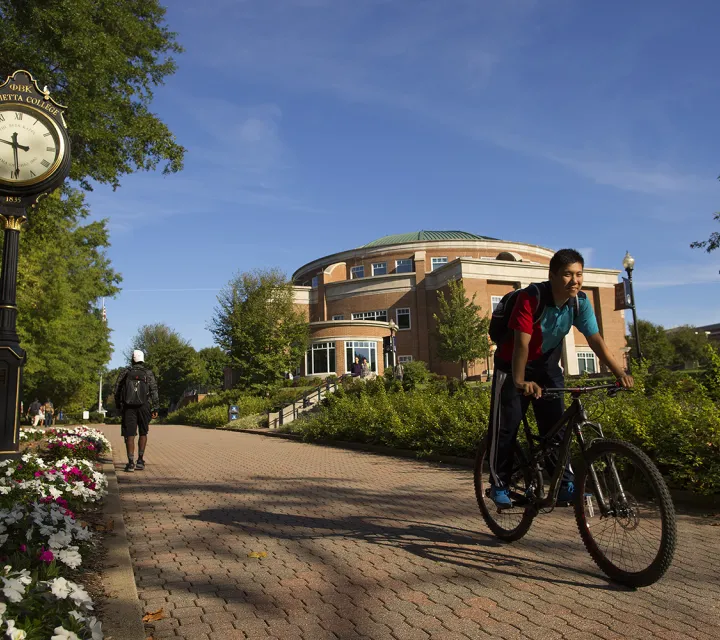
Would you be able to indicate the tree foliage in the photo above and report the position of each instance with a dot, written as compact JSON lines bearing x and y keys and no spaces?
{"x":654,"y":344}
{"x":462,"y":332}
{"x":257,"y":324}
{"x":173,"y":360}
{"x":689,"y":345}
{"x":214,"y":361}
{"x":63,"y":272}
{"x":102,"y":60}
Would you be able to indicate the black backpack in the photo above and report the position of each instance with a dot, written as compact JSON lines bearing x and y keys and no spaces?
{"x":499,"y":331}
{"x":136,"y":388}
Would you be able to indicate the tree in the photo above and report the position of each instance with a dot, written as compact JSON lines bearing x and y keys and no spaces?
{"x":462,"y":332}
{"x":214,"y":360}
{"x":63,"y":272}
{"x":102,"y":60}
{"x":654,"y":343}
{"x":173,"y":360}
{"x":688,"y":345}
{"x":257,"y":324}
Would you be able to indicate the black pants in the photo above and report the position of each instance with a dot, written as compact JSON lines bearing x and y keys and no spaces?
{"x":507,"y":407}
{"x":135,"y":419}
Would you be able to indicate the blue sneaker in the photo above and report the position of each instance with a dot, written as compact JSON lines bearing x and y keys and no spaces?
{"x":567,"y":492}
{"x":501,"y":497}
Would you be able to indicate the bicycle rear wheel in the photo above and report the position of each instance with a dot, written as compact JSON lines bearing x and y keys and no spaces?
{"x":507,"y":524}
{"x":634,"y":543}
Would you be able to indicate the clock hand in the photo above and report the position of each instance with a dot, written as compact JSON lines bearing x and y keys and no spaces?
{"x":14,"y":143}
{"x":17,"y":164}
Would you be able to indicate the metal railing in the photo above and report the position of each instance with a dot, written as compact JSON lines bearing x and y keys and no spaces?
{"x":316,"y":394}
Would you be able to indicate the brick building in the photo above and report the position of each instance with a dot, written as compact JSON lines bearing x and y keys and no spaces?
{"x":351,"y":296}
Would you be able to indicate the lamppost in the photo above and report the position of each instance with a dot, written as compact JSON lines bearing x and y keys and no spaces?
{"x":629,"y":264}
{"x":393,"y":330}
{"x":35,"y":157}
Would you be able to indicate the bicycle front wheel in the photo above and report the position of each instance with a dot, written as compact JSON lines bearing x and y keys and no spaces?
{"x":633,"y":538}
{"x":513,"y":523}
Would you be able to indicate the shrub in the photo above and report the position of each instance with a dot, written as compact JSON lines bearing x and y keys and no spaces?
{"x":415,"y":373}
{"x":213,"y":410}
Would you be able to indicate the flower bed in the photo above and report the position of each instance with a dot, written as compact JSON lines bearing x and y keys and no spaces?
{"x":42,"y":541}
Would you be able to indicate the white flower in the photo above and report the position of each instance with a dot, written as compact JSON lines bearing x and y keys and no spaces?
{"x":63,"y":634}
{"x":96,"y":628}
{"x":3,"y":609}
{"x":3,"y":539}
{"x":14,"y":589}
{"x":70,"y":556}
{"x":79,"y":596}
{"x":60,"y":588}
{"x":14,"y":633}
{"x":59,"y":540}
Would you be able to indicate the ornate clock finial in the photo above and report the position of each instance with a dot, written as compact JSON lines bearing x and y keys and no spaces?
{"x":46,"y":92}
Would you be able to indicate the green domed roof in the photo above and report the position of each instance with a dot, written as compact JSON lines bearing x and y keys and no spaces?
{"x":424,"y":236}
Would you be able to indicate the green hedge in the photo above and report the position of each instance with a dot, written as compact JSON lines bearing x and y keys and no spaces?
{"x":677,"y":422}
{"x":212,"y":411}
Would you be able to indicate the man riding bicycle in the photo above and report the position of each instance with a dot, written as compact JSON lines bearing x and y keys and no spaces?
{"x":528,"y":359}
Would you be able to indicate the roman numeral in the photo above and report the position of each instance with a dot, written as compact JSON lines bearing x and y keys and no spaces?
{"x":32,"y":173}
{"x":45,"y":135}
{"x":18,"y":115}
{"x":2,"y":118}
{"x":45,"y":164}
{"x":50,"y":149}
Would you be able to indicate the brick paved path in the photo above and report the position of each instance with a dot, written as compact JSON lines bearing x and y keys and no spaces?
{"x":360,"y":545}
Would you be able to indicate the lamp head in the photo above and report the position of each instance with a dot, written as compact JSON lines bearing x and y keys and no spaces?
{"x":628,"y":261}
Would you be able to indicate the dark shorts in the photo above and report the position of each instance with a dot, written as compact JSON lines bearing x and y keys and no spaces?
{"x":134,"y":420}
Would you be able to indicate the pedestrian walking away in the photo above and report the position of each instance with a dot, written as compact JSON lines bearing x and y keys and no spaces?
{"x":136,"y":395}
{"x":49,"y":410}
{"x":35,"y":412}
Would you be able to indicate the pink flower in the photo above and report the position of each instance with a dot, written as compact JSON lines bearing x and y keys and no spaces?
{"x":19,"y":466}
{"x":46,"y":556}
{"x":37,"y":474}
{"x":23,"y":548}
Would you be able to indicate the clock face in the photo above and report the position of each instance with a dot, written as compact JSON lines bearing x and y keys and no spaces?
{"x":31,"y":146}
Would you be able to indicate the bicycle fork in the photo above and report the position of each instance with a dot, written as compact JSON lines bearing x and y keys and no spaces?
{"x":605,"y":508}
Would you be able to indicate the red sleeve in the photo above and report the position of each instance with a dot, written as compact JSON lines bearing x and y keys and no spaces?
{"x":521,"y":318}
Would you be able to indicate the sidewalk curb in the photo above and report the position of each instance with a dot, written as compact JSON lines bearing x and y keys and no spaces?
{"x":121,"y":612}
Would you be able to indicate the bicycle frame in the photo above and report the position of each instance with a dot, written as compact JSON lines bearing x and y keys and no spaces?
{"x":573,"y":419}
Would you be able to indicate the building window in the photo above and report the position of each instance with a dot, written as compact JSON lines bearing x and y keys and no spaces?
{"x":404,"y":359}
{"x":586,"y":362}
{"x":357,"y":272}
{"x":402,"y":317}
{"x":405,"y":265}
{"x":437,"y":262}
{"x":320,"y":358}
{"x":379,"y":268}
{"x":495,"y":301}
{"x":361,"y":349}
{"x":314,"y":282}
{"x":378,"y":316}
{"x":340,"y":317}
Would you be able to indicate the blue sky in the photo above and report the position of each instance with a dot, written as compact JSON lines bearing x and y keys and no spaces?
{"x":314,"y":126}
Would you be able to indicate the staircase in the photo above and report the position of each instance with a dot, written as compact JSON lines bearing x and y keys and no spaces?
{"x":309,"y":400}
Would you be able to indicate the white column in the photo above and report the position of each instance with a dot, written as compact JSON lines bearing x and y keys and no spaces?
{"x":569,"y":355}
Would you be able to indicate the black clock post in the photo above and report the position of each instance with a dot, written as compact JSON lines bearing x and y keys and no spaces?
{"x":34,"y":161}
{"x":12,"y":356}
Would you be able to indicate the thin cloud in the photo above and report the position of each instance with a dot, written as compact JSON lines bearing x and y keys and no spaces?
{"x":678,"y":275}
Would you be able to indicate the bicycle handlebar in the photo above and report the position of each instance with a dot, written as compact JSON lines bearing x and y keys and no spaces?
{"x":580,"y":390}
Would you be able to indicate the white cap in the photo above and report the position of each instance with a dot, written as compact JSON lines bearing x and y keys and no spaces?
{"x":138,"y":356}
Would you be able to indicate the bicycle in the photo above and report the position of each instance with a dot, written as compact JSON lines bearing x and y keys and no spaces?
{"x":619,"y":493}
